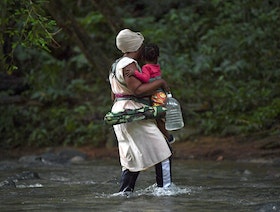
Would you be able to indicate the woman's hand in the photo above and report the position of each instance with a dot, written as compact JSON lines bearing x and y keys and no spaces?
{"x":165,"y":87}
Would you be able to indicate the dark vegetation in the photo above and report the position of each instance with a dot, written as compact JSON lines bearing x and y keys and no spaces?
{"x":221,"y":59}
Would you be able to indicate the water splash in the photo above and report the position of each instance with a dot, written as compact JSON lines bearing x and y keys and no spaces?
{"x":37,"y":185}
{"x":152,"y":190}
{"x":172,"y":190}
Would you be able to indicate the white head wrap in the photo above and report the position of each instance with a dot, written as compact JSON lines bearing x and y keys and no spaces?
{"x":129,"y":41}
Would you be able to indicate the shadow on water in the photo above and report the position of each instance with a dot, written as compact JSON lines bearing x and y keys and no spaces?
{"x":92,"y":186}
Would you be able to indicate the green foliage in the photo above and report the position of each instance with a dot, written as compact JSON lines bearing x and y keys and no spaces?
{"x":222,"y":54}
{"x":61,"y":108}
{"x":25,"y":24}
{"x":225,"y":53}
{"x":50,"y":127}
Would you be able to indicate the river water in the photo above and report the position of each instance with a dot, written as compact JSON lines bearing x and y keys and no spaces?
{"x":93,"y":185}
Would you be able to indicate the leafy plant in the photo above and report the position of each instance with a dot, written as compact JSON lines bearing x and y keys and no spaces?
{"x":220,"y":58}
{"x":25,"y":24}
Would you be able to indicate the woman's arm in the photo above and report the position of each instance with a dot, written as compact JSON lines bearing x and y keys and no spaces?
{"x":142,"y":89}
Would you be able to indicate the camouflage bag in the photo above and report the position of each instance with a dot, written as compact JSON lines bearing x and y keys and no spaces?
{"x":129,"y":115}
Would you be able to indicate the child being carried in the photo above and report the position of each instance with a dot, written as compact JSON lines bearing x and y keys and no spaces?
{"x":151,"y":71}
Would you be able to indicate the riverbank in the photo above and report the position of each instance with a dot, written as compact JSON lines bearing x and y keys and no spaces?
{"x":253,"y":148}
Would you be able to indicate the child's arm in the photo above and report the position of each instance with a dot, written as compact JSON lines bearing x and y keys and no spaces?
{"x":143,"y":76}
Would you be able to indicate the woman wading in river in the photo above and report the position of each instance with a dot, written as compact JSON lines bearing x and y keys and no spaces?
{"x":141,"y":144}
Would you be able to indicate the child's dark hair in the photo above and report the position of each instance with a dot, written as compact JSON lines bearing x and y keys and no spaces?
{"x":150,"y":52}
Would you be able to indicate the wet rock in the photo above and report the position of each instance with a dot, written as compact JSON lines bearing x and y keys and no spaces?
{"x":247,"y":172}
{"x":30,"y":159}
{"x":64,"y":156}
{"x":7,"y":165}
{"x":272,"y":174}
{"x":50,"y":158}
{"x":268,"y":207}
{"x":26,"y":175}
{"x":70,"y":154}
{"x":7,"y":184}
{"x":77,"y":159}
{"x":11,"y":181}
{"x":220,"y":158}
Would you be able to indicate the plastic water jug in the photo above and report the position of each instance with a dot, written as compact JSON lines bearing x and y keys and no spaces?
{"x":174,"y":119}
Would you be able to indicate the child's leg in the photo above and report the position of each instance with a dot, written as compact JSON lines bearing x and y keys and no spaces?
{"x":159,"y":99}
{"x":161,"y":126}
